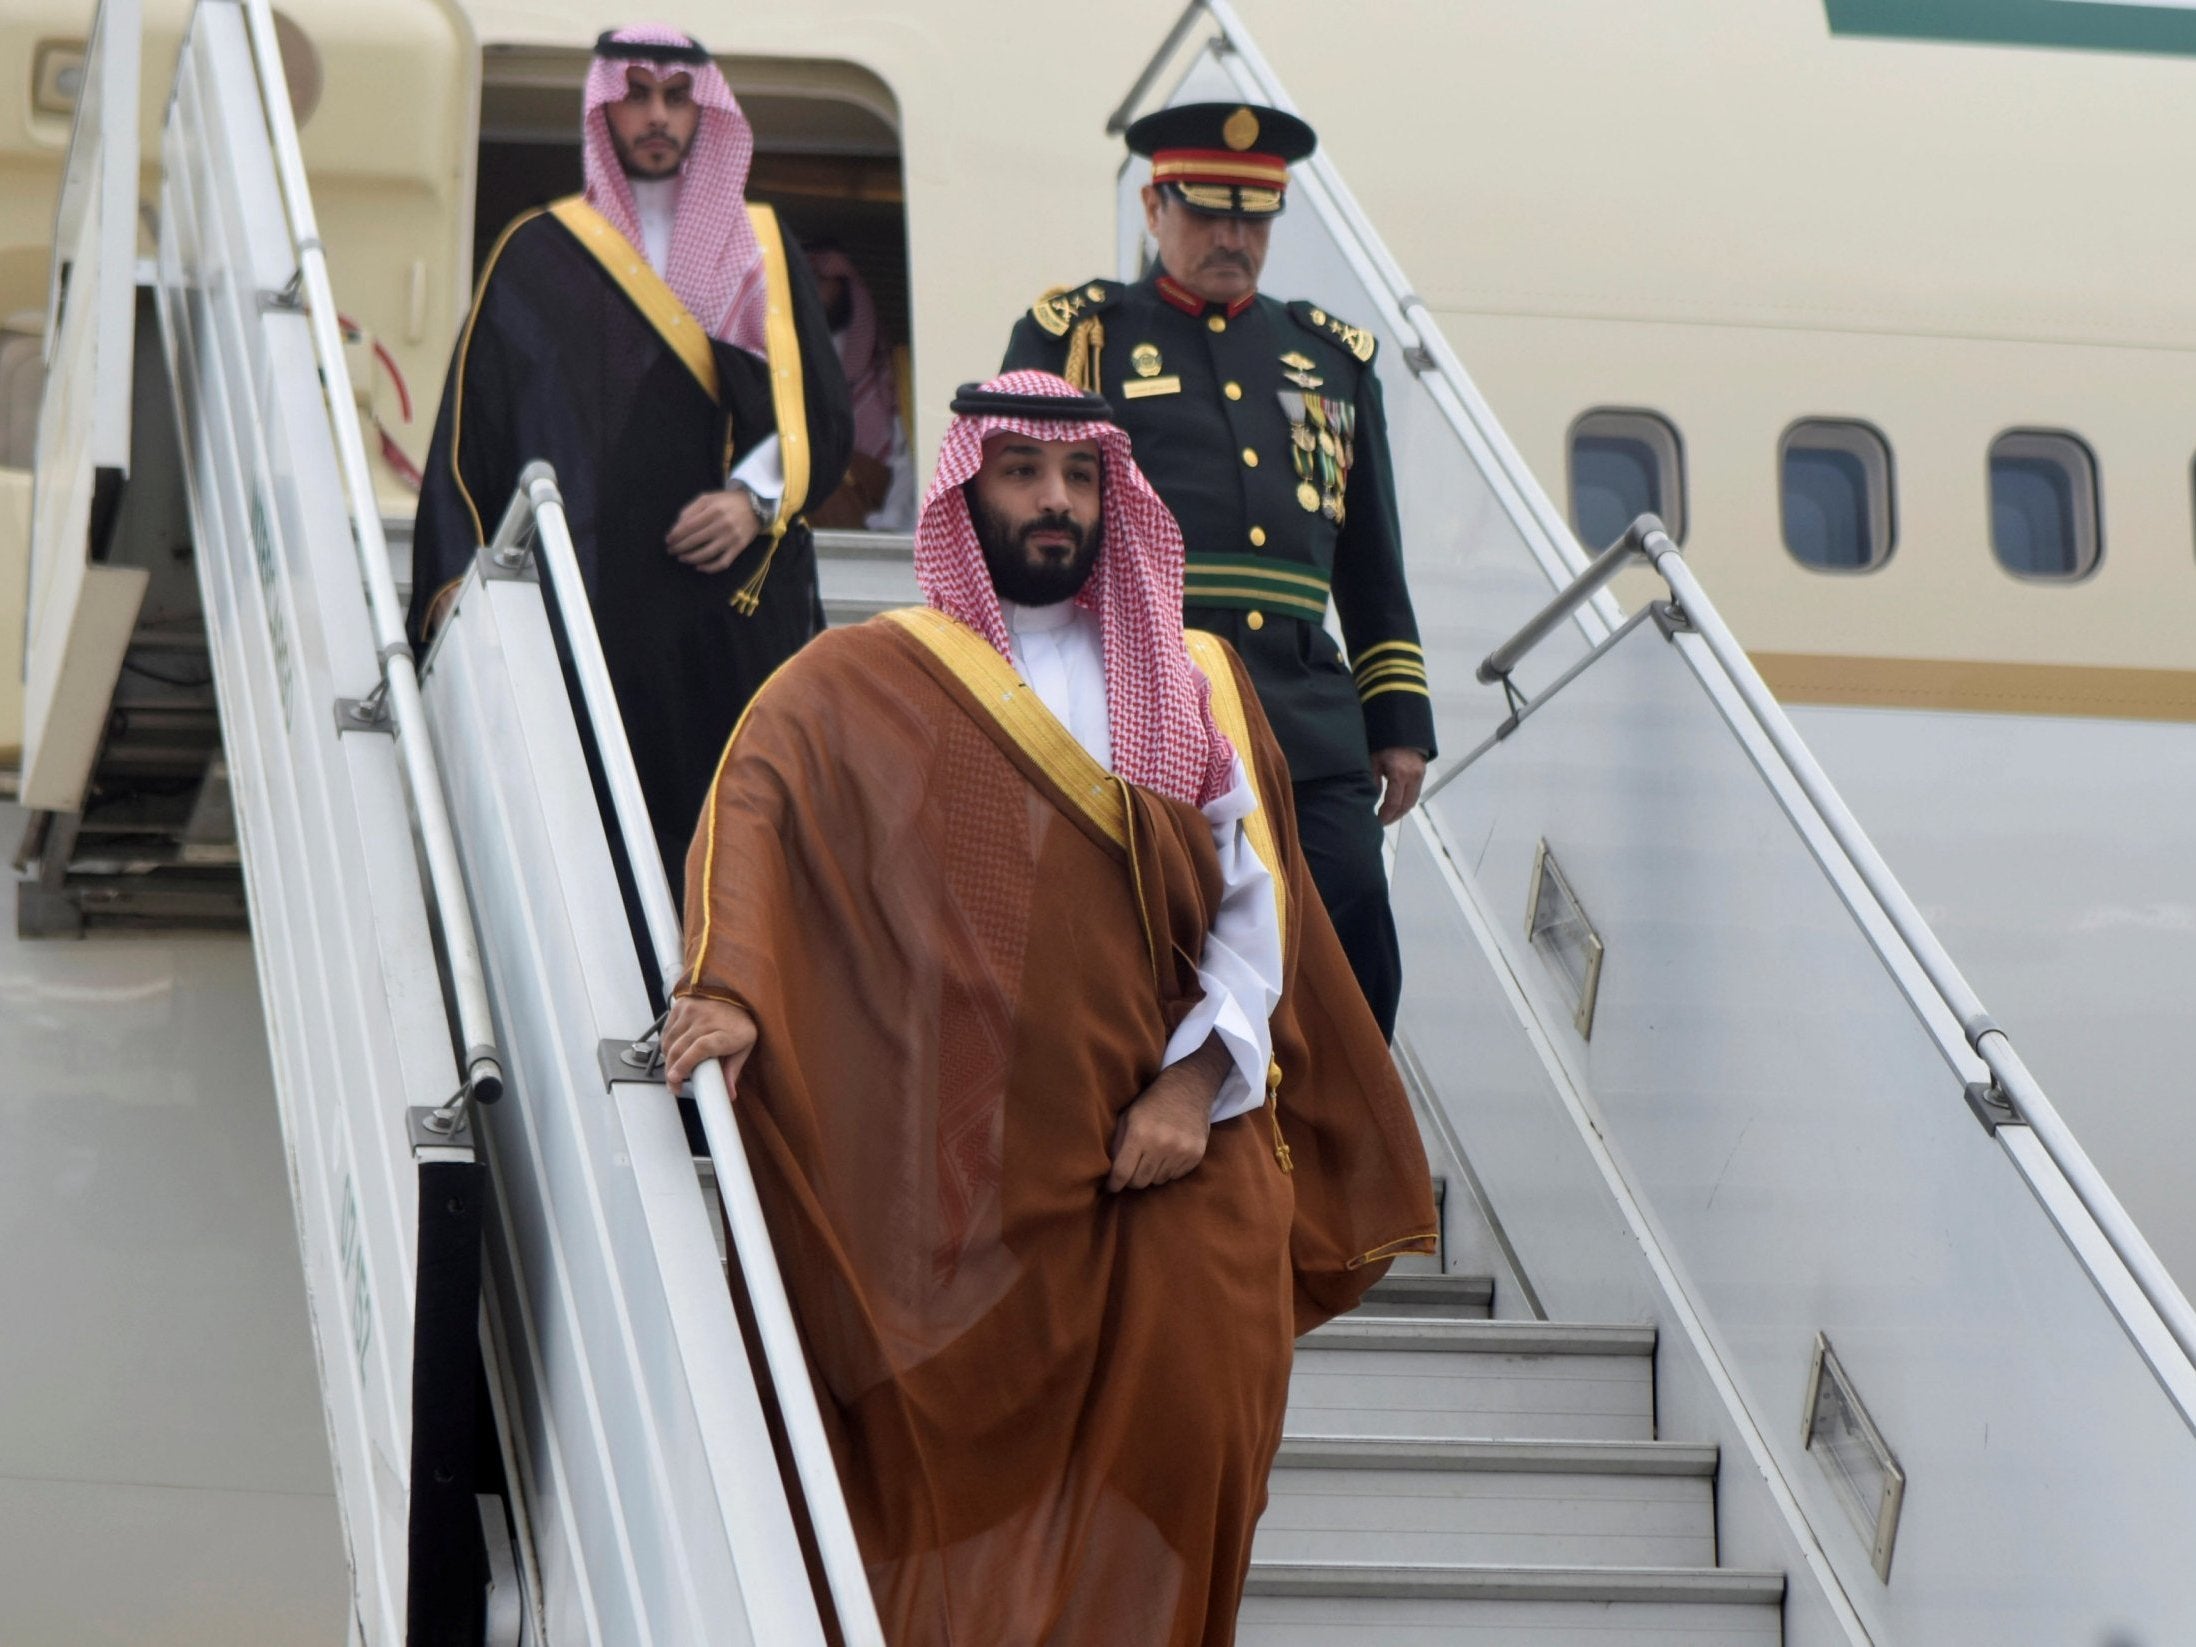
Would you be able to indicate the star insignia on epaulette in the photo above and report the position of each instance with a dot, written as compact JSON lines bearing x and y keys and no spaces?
{"x":1062,"y":306}
{"x":1359,"y":342}
{"x":1356,"y":339}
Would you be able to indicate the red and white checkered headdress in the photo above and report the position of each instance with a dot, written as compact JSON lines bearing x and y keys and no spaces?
{"x":715,"y":265}
{"x":1158,"y":705}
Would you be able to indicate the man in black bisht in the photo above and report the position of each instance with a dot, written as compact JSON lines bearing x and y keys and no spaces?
{"x":660,"y":342}
{"x":1260,"y":424}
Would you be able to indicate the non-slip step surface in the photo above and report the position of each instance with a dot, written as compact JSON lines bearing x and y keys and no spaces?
{"x":1321,"y":1605}
{"x":1492,"y":1503}
{"x":1406,"y":1377}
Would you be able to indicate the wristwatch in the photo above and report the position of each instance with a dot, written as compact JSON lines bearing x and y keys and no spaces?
{"x":766,"y":509}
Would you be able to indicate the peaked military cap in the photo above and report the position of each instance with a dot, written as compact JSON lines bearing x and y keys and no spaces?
{"x":1224,"y":159}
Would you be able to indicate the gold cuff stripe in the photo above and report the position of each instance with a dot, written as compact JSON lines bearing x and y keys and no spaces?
{"x":1367,"y":694}
{"x":1412,"y":648}
{"x":658,"y":303}
{"x":465,"y":349}
{"x":1210,"y":656}
{"x":1392,"y":670}
{"x":1022,"y":714}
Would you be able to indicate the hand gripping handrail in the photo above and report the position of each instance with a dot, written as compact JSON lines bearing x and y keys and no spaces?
{"x":537,"y":510}
{"x":481,"y":1067}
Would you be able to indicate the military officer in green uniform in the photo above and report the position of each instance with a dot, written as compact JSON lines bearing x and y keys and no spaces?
{"x":1260,"y":423}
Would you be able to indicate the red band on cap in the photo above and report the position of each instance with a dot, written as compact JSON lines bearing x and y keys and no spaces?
{"x":1258,"y":171}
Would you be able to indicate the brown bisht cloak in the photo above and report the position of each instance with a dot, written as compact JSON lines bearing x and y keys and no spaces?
{"x":964,"y":942}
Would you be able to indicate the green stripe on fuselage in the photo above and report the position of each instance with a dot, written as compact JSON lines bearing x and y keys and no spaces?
{"x":2077,"y":25}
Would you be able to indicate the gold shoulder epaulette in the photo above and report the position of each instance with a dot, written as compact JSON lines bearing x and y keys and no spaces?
{"x":1358,"y":341}
{"x":1062,"y":306}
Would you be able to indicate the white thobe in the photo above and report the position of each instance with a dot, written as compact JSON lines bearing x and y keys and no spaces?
{"x":1060,"y":651}
{"x":656,"y":203}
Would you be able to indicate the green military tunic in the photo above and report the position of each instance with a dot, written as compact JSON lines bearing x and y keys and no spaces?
{"x":1260,"y":423}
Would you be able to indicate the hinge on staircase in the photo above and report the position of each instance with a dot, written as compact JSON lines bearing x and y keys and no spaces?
{"x":1992,"y":1106}
{"x":289,"y":300}
{"x":367,"y":714}
{"x":1671,"y":619}
{"x":438,"y":1129}
{"x":641,"y":1060}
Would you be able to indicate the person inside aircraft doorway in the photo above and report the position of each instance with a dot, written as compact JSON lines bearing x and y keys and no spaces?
{"x":659,"y":340}
{"x":1260,"y":423}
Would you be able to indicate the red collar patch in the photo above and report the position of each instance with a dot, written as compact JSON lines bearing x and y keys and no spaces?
{"x":1191,"y":304}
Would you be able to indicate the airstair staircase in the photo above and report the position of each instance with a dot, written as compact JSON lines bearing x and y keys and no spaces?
{"x":1446,"y":1478}
{"x":1776,"y":1304}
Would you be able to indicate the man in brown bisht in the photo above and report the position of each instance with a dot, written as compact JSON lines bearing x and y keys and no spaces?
{"x":1066,"y":1113}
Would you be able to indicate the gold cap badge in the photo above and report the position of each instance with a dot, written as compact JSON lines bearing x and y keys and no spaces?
{"x":1241,"y":130}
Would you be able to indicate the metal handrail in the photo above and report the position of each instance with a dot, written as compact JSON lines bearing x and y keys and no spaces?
{"x":2018,"y":1086}
{"x":1647,"y":541}
{"x":537,"y":511}
{"x":481,"y":1066}
{"x":1553,"y":545}
{"x":1627,"y":549}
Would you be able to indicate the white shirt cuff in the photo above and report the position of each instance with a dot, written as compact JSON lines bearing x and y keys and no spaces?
{"x":762,"y":471}
{"x":1241,"y":970}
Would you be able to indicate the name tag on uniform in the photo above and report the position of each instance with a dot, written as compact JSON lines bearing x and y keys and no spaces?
{"x":1143,"y":387}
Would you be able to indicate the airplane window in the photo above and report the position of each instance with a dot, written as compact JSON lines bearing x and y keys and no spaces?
{"x":1835,"y":490}
{"x":1624,"y":464}
{"x":2043,"y":505}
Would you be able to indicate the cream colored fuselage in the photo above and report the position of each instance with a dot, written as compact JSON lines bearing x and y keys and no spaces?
{"x":1734,"y":216}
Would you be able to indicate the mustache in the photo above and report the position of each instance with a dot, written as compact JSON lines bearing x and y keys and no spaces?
{"x":1222,"y":258}
{"x":1052,"y":523}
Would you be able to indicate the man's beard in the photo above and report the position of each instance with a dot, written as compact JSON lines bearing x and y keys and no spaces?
{"x":1015,"y":575}
{"x":632,"y":166}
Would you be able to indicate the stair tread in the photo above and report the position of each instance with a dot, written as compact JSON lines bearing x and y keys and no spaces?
{"x":1415,"y":1287}
{"x":1428,"y":1293}
{"x":1652,"y":1458}
{"x":1492,"y":1583}
{"x":1451,"y":1334}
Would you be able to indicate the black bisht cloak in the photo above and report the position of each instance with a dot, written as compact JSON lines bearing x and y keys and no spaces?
{"x":557,"y":362}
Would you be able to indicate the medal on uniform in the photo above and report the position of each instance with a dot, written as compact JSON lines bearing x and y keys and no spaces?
{"x":1303,"y":447}
{"x":1300,"y":369}
{"x":1333,"y":424}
